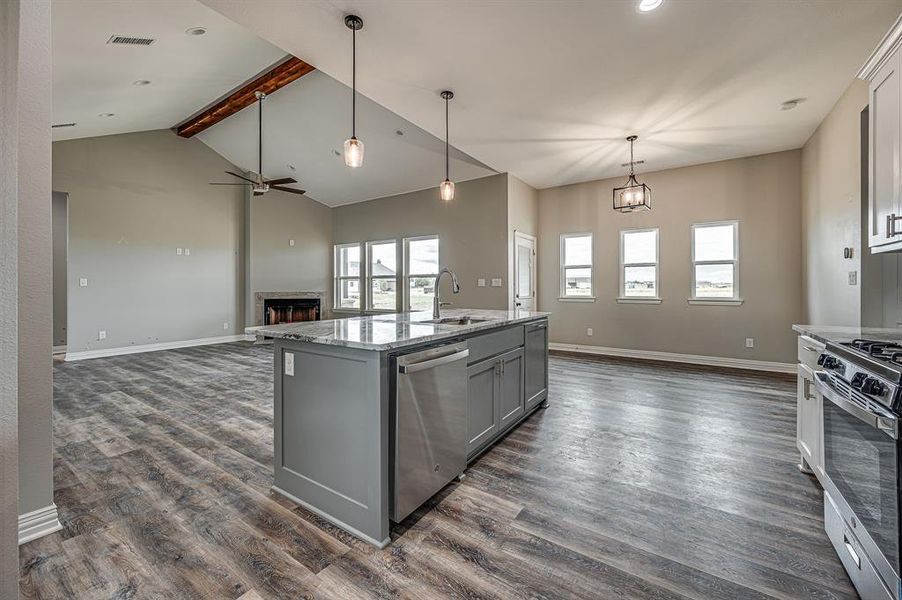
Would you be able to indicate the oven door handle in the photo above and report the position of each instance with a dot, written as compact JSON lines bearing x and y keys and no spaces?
{"x":884,"y":422}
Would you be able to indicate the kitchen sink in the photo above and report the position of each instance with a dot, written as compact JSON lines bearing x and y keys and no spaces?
{"x":457,"y":321}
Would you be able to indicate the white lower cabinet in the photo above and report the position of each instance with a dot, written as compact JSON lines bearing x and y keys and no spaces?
{"x":809,"y":423}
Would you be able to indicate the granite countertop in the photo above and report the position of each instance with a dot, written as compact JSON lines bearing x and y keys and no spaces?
{"x":390,"y":331}
{"x":836,"y":334}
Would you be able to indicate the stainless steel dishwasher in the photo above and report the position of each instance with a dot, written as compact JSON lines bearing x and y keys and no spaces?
{"x":430,"y":424}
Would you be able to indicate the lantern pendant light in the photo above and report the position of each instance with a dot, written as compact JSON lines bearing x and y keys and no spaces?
{"x":447,"y":186}
{"x":634,"y":195}
{"x":353,"y":147}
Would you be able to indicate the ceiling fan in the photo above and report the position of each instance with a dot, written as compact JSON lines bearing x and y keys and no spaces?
{"x":258,"y":184}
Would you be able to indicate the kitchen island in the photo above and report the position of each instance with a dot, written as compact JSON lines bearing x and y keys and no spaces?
{"x":337,"y":414}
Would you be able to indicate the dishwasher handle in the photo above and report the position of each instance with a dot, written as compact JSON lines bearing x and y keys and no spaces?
{"x":433,"y":362}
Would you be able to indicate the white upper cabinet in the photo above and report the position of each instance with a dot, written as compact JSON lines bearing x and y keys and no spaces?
{"x":884,"y":137}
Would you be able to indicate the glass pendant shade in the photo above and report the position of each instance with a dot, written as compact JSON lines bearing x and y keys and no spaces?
{"x":353,"y":152}
{"x":632,"y":197}
{"x":447,"y":190}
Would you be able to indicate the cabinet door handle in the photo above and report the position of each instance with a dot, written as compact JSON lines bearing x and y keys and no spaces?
{"x":806,"y":388}
{"x":891,"y":225}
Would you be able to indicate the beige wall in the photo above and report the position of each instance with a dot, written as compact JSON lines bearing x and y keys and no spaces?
{"x":275,"y":265}
{"x":761,"y":192}
{"x":35,"y":260}
{"x":523,"y":217}
{"x":133,"y":199}
{"x":471,"y":230}
{"x":831,"y":213}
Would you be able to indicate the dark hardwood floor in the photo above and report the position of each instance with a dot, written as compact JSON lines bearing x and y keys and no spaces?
{"x":642,"y":480}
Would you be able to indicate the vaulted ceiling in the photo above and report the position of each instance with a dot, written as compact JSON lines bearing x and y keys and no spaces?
{"x":548,"y":90}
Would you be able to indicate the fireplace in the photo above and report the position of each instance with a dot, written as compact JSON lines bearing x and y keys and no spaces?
{"x":271,"y":308}
{"x":290,"y":310}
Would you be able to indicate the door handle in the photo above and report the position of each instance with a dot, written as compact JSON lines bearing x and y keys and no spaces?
{"x":434,"y":362}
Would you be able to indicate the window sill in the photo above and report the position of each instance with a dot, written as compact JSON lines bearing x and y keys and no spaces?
{"x":576,"y":299}
{"x":631,"y":300}
{"x":347,"y":311}
{"x":716,"y":301}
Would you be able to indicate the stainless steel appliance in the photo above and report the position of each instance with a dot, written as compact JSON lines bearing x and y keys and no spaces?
{"x":860,"y":384}
{"x":430,"y":421}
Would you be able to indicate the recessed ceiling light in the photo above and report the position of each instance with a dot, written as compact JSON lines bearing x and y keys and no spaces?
{"x":649,"y":5}
{"x":140,"y":82}
{"x":196,"y":30}
{"x":106,"y":115}
{"x":791,"y":104}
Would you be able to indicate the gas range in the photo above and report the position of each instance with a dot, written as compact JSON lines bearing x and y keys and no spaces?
{"x":871,"y":369}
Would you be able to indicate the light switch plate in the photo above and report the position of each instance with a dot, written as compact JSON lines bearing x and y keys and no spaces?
{"x":749,"y":342}
{"x":178,"y":251}
{"x":289,"y":363}
{"x":83,"y":282}
{"x":101,"y":335}
{"x":853,"y":277}
{"x":291,"y":242}
{"x":225,"y":325}
{"x":187,"y":251}
{"x":589,"y":331}
{"x":496,"y":282}
{"x":480,"y":282}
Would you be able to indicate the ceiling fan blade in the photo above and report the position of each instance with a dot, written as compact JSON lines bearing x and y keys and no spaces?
{"x":217,"y":183}
{"x":240,"y":176}
{"x":287,"y":189}
{"x":281,"y":181}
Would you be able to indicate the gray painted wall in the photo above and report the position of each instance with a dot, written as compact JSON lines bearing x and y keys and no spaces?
{"x":831,"y":212}
{"x":275,"y":265}
{"x":522,"y":216}
{"x":9,"y":258}
{"x":133,"y":200}
{"x":60,"y":225}
{"x":471,"y":230}
{"x":762,"y":192}
{"x":35,"y":260}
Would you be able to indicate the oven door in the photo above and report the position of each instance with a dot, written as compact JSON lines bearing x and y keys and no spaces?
{"x":861,"y":463}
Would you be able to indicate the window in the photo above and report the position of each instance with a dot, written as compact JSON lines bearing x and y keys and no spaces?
{"x":639,"y":265}
{"x":576,"y":266}
{"x":382,"y":275}
{"x":421,"y":265}
{"x":715,"y":262}
{"x":347,"y":277}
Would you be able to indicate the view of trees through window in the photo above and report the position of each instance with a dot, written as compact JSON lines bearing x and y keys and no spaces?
{"x":383,"y":275}
{"x":347,"y":276}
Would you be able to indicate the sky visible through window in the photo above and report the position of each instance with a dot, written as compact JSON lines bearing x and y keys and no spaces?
{"x":715,"y":243}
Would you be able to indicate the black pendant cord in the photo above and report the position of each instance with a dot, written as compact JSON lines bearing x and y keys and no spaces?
{"x":632,"y":160}
{"x":260,"y":139}
{"x":447,"y":159}
{"x":353,"y":83}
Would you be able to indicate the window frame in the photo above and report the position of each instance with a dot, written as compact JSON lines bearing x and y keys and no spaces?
{"x":369,"y":278}
{"x":337,"y":279}
{"x":736,"y":299}
{"x":563,"y":268}
{"x":622,"y":297}
{"x":407,"y":275}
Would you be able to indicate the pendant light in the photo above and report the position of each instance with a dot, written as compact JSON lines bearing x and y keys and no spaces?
{"x":634,"y":195}
{"x":447,"y":186}
{"x":353,"y":146}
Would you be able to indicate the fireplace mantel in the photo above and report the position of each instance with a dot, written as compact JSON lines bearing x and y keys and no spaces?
{"x":260,"y":297}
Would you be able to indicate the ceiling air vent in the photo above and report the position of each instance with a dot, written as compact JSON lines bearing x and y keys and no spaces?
{"x":58,"y":125}
{"x":130,"y":41}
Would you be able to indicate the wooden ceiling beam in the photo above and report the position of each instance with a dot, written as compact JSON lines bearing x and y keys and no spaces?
{"x":277,"y":77}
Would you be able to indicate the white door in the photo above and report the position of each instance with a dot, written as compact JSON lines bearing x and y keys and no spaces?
{"x":524,"y":271}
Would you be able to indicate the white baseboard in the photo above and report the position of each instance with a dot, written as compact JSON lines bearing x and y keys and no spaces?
{"x":223,"y":339}
{"x":38,"y":523}
{"x":59,"y":349}
{"x":692,"y":359}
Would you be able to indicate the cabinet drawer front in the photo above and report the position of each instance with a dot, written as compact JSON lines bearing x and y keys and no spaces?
{"x":491,"y":344}
{"x":809,"y":350}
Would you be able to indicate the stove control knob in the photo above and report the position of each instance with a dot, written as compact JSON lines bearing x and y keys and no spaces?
{"x":873,"y":387}
{"x":830,"y":362}
{"x":821,"y":359}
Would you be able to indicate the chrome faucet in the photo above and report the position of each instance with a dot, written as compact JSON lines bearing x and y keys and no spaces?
{"x":437,"y":303}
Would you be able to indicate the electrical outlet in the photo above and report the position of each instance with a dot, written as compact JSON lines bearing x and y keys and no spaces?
{"x":83,"y":282}
{"x":225,"y":325}
{"x":101,"y":335}
{"x":291,"y":242}
{"x":289,"y":363}
{"x":480,"y":282}
{"x":749,"y":342}
{"x":853,"y":277}
{"x":178,"y":251}
{"x":187,"y":251}
{"x":496,"y":282}
{"x":589,"y":331}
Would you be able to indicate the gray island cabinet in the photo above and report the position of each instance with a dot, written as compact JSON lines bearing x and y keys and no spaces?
{"x":336,"y":415}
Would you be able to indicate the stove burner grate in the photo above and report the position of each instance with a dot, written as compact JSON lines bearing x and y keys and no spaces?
{"x":889,"y":351}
